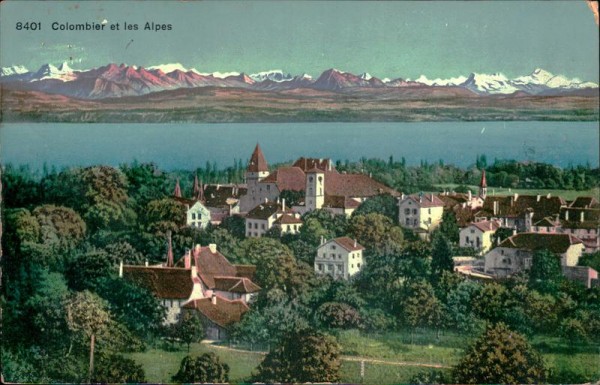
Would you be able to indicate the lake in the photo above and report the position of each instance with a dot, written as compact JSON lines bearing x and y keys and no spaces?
{"x":187,"y":146}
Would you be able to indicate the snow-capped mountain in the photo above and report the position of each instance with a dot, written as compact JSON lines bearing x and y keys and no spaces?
{"x":541,"y":81}
{"x":220,"y":75}
{"x":489,"y":84}
{"x":274,"y":75}
{"x":14,"y":70}
{"x":441,"y":82}
{"x":167,"y":68}
{"x":47,"y":71}
{"x":365,"y":76}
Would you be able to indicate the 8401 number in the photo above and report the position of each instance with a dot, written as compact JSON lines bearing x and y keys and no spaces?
{"x":29,"y":26}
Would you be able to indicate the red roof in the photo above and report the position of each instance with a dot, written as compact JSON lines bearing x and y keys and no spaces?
{"x":264,"y":210}
{"x":257,"y":161}
{"x":483,"y":181}
{"x":310,"y":163}
{"x":427,"y":200}
{"x":340,"y":202}
{"x":164,"y":282}
{"x":486,"y":225}
{"x":236,"y":285}
{"x":288,"y":219}
{"x":556,"y":243}
{"x":348,"y":243}
{"x":354,"y":185}
{"x":223,"y":313}
{"x":287,"y":178}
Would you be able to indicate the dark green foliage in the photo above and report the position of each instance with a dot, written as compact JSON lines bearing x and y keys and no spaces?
{"x":338,"y":315}
{"x":292,"y":197}
{"x":441,"y":256}
{"x":205,"y":368}
{"x":420,"y":305}
{"x":190,"y":329}
{"x":545,"y":274}
{"x":115,"y":368}
{"x":88,"y":268}
{"x":376,"y":232}
{"x":500,"y":356}
{"x":592,"y":260}
{"x":19,"y":187}
{"x":449,"y":227}
{"x":303,"y":356}
{"x":235,"y":225}
{"x":384,"y":204}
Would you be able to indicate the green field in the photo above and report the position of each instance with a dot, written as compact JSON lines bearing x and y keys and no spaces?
{"x":390,"y":358}
{"x":501,"y":191}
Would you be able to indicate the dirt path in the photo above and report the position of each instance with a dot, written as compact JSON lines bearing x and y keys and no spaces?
{"x":343,"y":358}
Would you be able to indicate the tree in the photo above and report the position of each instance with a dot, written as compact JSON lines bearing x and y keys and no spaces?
{"x":190,"y":330}
{"x":252,"y":250}
{"x":123,"y":251}
{"x":60,"y":226}
{"x":303,"y":356}
{"x":376,"y":232}
{"x":500,"y":356}
{"x":441,"y":256}
{"x":163,"y":215}
{"x":87,"y":269}
{"x":292,"y":197}
{"x":115,"y":368}
{"x":338,"y":315}
{"x":490,"y":303}
{"x":86,"y":313}
{"x":205,"y":368}
{"x":449,"y":227}
{"x":235,"y":225}
{"x":421,"y":307}
{"x":459,"y":308}
{"x":384,"y":204}
{"x":545,"y":274}
{"x":572,"y":330}
{"x":285,"y":273}
{"x":592,"y":260}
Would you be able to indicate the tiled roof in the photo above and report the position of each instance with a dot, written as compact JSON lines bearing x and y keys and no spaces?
{"x":556,"y":243}
{"x":246,"y":271}
{"x":210,"y":265}
{"x":236,"y":285}
{"x":511,"y":208}
{"x":164,"y":282}
{"x":354,"y":185}
{"x":257,"y":161}
{"x":453,"y":199}
{"x":348,"y":243}
{"x":464,"y":216}
{"x":218,"y":195}
{"x":426,"y":200}
{"x":591,"y":218}
{"x":340,"y":202}
{"x":310,"y":163}
{"x":486,"y":225}
{"x":584,"y":202}
{"x":223,"y":313}
{"x":288,"y":219}
{"x":264,"y":210}
{"x":185,"y":201}
{"x":546,"y":222}
{"x":287,"y":178}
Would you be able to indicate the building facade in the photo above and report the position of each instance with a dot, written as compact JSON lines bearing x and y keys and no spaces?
{"x":340,"y":258}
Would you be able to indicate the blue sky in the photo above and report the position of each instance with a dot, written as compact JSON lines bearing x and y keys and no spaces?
{"x":386,"y":39}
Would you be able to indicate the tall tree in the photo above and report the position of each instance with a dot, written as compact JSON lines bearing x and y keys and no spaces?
{"x":384,"y":204}
{"x":500,"y":356}
{"x":441,"y":256}
{"x":190,"y":330}
{"x":449,"y":227}
{"x":545,"y":274}
{"x":421,"y":306}
{"x":376,"y":232}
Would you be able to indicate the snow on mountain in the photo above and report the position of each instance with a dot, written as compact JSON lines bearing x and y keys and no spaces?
{"x":441,"y":82}
{"x":542,"y":80}
{"x":489,"y":84}
{"x":220,"y":75}
{"x":274,"y":75}
{"x":167,"y":68}
{"x":14,"y":70}
{"x":365,"y":76}
{"x":63,"y":73}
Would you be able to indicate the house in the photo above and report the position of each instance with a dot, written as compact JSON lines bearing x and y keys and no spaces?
{"x":582,"y":219}
{"x":221,"y":200}
{"x":272,"y":214}
{"x":420,"y":212}
{"x":217,"y":314}
{"x":520,"y":212}
{"x":583,"y":274}
{"x":515,"y":253}
{"x":201,"y":274}
{"x":339,"y":257}
{"x":289,"y":223}
{"x":322,"y":185}
{"x":479,"y":235}
{"x":453,"y":200}
{"x":196,"y":213}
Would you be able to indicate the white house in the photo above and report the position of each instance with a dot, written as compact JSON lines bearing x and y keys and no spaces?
{"x":340,"y":257}
{"x":515,"y":253}
{"x":478,"y":235}
{"x":420,"y":212}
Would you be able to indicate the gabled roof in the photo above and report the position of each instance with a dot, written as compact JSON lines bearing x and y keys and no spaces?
{"x":164,"y":282}
{"x":223,"y":313}
{"x":556,"y":243}
{"x":218,"y":195}
{"x":209,"y":265}
{"x":591,"y":218}
{"x":546,"y":222}
{"x":584,"y":203}
{"x":347,"y":243}
{"x":288,"y":219}
{"x":486,"y":226}
{"x":264,"y":210}
{"x":340,"y":202}
{"x":236,"y":285}
{"x":310,"y":163}
{"x":257,"y":161}
{"x":510,"y":207}
{"x":426,"y":200}
{"x":287,"y":178}
{"x":354,"y":185}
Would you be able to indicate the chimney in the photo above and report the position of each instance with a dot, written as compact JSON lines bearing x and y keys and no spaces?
{"x":470,"y":195}
{"x":495,"y":207}
{"x":212,"y":247}
{"x":266,"y":200}
{"x":169,"y":250}
{"x":355,"y":243}
{"x":538,"y":197}
{"x":187,"y":259}
{"x":194,"y":271}
{"x":214,"y":299}
{"x":402,"y":196}
{"x":581,"y":216}
{"x":514,"y":231}
{"x":283,"y":204}
{"x":566,"y":215}
{"x":516,"y":196}
{"x":548,"y":196}
{"x":464,"y":205}
{"x":121,"y":269}
{"x":146,"y":263}
{"x":322,"y":240}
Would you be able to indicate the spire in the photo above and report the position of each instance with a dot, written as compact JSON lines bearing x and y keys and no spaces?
{"x":196,"y":187}
{"x":483,"y":186}
{"x":257,"y":161}
{"x":169,"y":251}
{"x":177,"y":192}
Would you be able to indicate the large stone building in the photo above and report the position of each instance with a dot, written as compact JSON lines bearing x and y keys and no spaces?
{"x":515,"y":253}
{"x":339,"y":257}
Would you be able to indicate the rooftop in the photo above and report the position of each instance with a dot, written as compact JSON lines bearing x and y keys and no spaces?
{"x":556,"y":243}
{"x":223,"y":313}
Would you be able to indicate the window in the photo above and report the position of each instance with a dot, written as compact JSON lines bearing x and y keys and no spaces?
{"x":330,"y":267}
{"x":310,"y":179}
{"x":320,"y":179}
{"x":262,"y":226}
{"x":352,"y":266}
{"x":193,"y":215}
{"x":467,"y":239}
{"x":341,"y":268}
{"x":255,"y":225}
{"x":407,"y":222}
{"x":332,"y":256}
{"x":249,"y":225}
{"x":414,"y":211}
{"x":339,"y":256}
{"x":333,"y":247}
{"x":320,"y":266}
{"x":406,"y":211}
{"x":472,"y":231}
{"x":358,"y":265}
{"x":428,"y":211}
{"x":268,"y":187}
{"x":501,"y":252}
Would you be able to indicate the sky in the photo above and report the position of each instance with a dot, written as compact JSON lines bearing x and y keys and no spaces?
{"x":387,"y":39}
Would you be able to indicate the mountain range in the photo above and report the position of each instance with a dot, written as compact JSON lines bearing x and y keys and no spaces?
{"x":114,"y":81}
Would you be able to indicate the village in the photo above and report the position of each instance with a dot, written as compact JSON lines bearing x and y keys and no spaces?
{"x":305,"y":248}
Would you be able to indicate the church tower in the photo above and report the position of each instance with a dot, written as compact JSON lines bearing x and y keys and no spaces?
{"x":315,"y":189}
{"x":257,"y":170}
{"x":483,"y":186}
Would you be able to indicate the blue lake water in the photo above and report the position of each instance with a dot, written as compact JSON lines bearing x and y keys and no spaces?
{"x":186,"y":146}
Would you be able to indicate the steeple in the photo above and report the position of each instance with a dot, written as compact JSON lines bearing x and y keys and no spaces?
{"x":196,"y":187}
{"x":257,"y":162}
{"x":483,"y":186}
{"x":169,"y":251}
{"x":200,"y":195}
{"x":177,"y":192}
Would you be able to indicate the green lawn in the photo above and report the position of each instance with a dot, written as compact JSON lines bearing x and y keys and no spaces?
{"x":568,"y":364}
{"x":567,"y":194}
